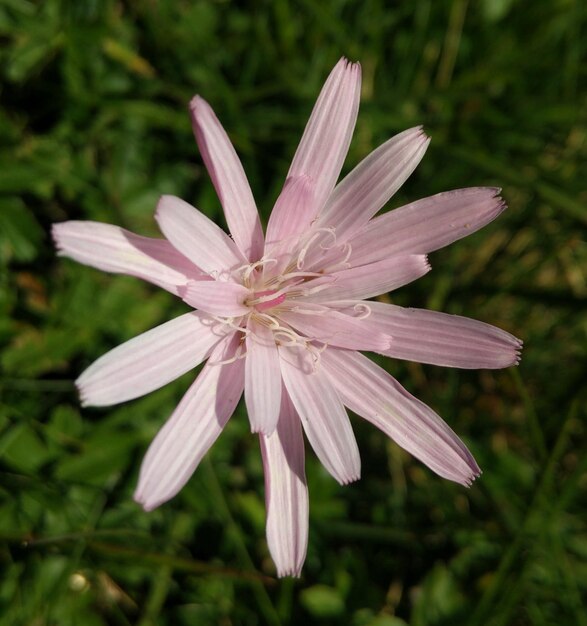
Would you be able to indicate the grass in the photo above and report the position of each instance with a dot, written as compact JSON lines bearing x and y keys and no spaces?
{"x":94,"y":125}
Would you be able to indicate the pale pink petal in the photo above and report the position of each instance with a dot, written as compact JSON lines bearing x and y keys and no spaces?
{"x":327,"y":136}
{"x":323,"y":416}
{"x":368,"y":281}
{"x":150,"y":360}
{"x":113,"y":249}
{"x":229,"y":179}
{"x":357,"y":198}
{"x":373,"y":394}
{"x":439,"y":338}
{"x":197,"y":237}
{"x":216,"y":297}
{"x":426,"y":225}
{"x":286,"y":491}
{"x":262,"y":378}
{"x":293,"y":212}
{"x":194,"y":426}
{"x":336,"y":329}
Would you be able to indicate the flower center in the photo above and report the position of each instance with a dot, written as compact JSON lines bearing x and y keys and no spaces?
{"x":263,"y":300}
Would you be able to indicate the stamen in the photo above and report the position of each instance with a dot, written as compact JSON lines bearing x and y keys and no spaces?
{"x":267,"y":320}
{"x":347,"y":249}
{"x":229,"y":321}
{"x":239,"y":354}
{"x":250,"y":268}
{"x":302,"y":254}
{"x":363,"y":311}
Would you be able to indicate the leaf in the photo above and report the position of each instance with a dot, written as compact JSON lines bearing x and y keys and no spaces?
{"x":20,"y":233}
{"x":322,"y":601}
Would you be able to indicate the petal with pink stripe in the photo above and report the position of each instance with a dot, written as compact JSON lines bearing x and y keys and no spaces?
{"x":371,"y":184}
{"x":262,"y":378}
{"x":426,"y":225}
{"x":372,"y":393}
{"x":216,"y":297}
{"x":193,"y":427}
{"x":229,"y":179}
{"x":439,"y":338}
{"x":337,"y":329}
{"x":292,"y":214}
{"x":113,"y":249}
{"x":368,"y":281}
{"x":286,"y":491}
{"x":197,"y":237}
{"x":322,"y":413}
{"x":326,"y":139}
{"x":149,"y":361}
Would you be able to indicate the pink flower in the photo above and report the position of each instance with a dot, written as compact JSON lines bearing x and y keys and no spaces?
{"x":282,"y":317}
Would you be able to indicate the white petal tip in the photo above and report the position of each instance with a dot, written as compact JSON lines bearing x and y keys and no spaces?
{"x":347,"y":480}
{"x":258,"y":429}
{"x":197,"y":103}
{"x":289,"y":572}
{"x":144,"y":504}
{"x":468,"y":482}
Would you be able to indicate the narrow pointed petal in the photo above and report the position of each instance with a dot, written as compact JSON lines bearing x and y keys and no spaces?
{"x":229,"y":179}
{"x":368,"y":281}
{"x":373,"y":394}
{"x":427,"y":225}
{"x":216,"y":297}
{"x":113,"y":249}
{"x":336,"y":329}
{"x":363,"y":192}
{"x":439,"y":338}
{"x":262,"y":378}
{"x":286,"y":491}
{"x":322,"y":413}
{"x":293,"y":212}
{"x":197,"y":237}
{"x":149,"y":361}
{"x":193,"y":427}
{"x":327,"y":136}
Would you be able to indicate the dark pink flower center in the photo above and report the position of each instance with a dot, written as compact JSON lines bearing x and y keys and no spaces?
{"x":268,"y":304}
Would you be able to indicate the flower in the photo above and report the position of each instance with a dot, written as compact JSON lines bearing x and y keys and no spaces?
{"x":283,"y":316}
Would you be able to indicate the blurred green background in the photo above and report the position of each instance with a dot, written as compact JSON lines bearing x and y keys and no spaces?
{"x":94,"y":125}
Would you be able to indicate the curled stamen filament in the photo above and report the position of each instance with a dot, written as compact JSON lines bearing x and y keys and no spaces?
{"x":229,"y":321}
{"x":239,"y":354}
{"x":302,"y":255}
{"x":347,"y":250}
{"x":363,"y":311}
{"x":249,"y":269}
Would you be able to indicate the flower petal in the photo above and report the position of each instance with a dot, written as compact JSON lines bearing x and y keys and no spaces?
{"x":371,"y":184}
{"x":372,"y":393}
{"x":336,"y":329}
{"x":293,"y":212}
{"x":426,"y":225}
{"x":286,"y":491}
{"x":229,"y":179}
{"x":197,"y":237}
{"x":216,"y":297}
{"x":327,"y":136}
{"x":194,"y":426}
{"x":113,"y":249}
{"x":368,"y":281}
{"x":150,"y":360}
{"x":262,"y":378}
{"x":439,"y":338}
{"x":323,"y":416}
